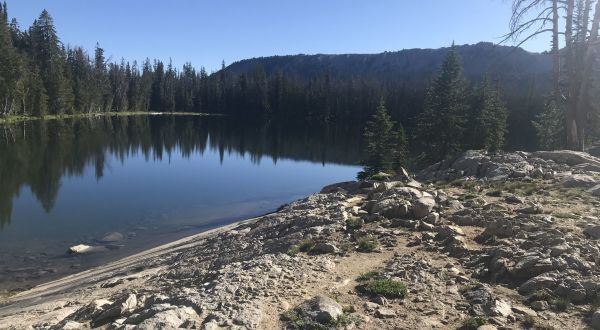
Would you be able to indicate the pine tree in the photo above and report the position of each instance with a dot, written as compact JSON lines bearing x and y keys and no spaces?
{"x":50,"y":58}
{"x":549,"y":127}
{"x":441,"y":126}
{"x":380,"y":144}
{"x":9,"y":66}
{"x":489,"y":117}
{"x":401,"y":149}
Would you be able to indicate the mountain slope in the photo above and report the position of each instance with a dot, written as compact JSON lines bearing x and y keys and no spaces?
{"x":508,"y":64}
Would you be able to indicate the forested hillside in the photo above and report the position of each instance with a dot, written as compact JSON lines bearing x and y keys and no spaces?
{"x":41,"y":76}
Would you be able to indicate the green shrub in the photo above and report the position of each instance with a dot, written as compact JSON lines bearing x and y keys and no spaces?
{"x":302,"y":322}
{"x":540,"y":295}
{"x":473,"y":323}
{"x":387,"y":288}
{"x":366,"y":276}
{"x":306,"y":246}
{"x":529,"y":321}
{"x":293,"y":250}
{"x":368,"y":244}
{"x":380,"y":176}
{"x":494,"y":193}
{"x":354,"y":223}
{"x":561,"y":304}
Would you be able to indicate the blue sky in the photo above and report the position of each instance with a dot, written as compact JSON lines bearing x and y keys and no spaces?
{"x":207,"y":32}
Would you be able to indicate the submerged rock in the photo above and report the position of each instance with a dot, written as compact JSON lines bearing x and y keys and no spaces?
{"x":80,"y":248}
{"x":112,"y":237}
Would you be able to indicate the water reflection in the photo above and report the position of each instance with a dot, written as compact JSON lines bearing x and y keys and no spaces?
{"x":39,"y":154}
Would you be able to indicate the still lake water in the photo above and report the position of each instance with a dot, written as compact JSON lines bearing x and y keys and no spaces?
{"x":152,"y":179}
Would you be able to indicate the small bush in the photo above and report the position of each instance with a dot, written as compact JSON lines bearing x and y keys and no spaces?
{"x":594,"y":300}
{"x":366,"y":276}
{"x":465,"y":288}
{"x":529,"y":321}
{"x":494,"y":193}
{"x":302,"y":322}
{"x":473,"y":323}
{"x":367,"y":244}
{"x":354,"y":223}
{"x":561,"y":304}
{"x":564,"y":215}
{"x":387,"y":288}
{"x":540,"y":295}
{"x":306,"y":246}
{"x":456,"y":183}
{"x":468,"y":196}
{"x":293,"y":250}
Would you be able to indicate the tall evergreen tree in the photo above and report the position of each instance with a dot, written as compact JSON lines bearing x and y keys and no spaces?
{"x":488,"y":119}
{"x":49,"y":56}
{"x":9,"y":66}
{"x":380,"y":144}
{"x":549,"y":127}
{"x":401,"y":149}
{"x":441,"y":126}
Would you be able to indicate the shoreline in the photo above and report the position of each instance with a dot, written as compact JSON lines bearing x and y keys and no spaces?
{"x":99,"y":273}
{"x":12,"y":119}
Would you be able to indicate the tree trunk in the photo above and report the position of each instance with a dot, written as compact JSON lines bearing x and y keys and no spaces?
{"x":569,"y":100}
{"x":583,"y":101}
{"x":555,"y":50}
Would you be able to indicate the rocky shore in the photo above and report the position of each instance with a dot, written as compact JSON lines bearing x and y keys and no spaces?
{"x":507,"y":241}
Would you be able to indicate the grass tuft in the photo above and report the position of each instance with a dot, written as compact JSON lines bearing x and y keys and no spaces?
{"x":368,"y":244}
{"x":366,"y":276}
{"x":388,"y":288}
{"x":475,"y":322}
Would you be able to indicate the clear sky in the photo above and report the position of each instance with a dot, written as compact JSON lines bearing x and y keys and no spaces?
{"x":206,"y":32}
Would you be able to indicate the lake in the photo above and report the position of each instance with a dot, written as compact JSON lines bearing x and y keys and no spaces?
{"x":147,"y":180}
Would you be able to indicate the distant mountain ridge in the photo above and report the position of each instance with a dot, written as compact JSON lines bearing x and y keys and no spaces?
{"x":508,"y":64}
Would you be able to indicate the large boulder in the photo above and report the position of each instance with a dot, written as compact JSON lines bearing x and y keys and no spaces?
{"x":320,"y":309}
{"x":176,"y":318}
{"x":537,"y":283}
{"x":593,"y":231}
{"x":122,"y":307}
{"x":595,"y":190}
{"x":579,"y":181}
{"x":423,"y":206}
{"x":348,"y":186}
{"x":595,"y":321}
{"x":568,"y":157}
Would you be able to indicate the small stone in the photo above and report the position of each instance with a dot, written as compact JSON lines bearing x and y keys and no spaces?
{"x":595,"y":322}
{"x":384,"y":313}
{"x":524,"y":311}
{"x":447,"y":231}
{"x":380,"y":300}
{"x":81,"y":248}
{"x":540,"y":305}
{"x":531,"y":209}
{"x":72,"y":325}
{"x":325,"y":248}
{"x":512,"y":199}
{"x":487,"y":327}
{"x":433,"y":218}
{"x":593,"y":231}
